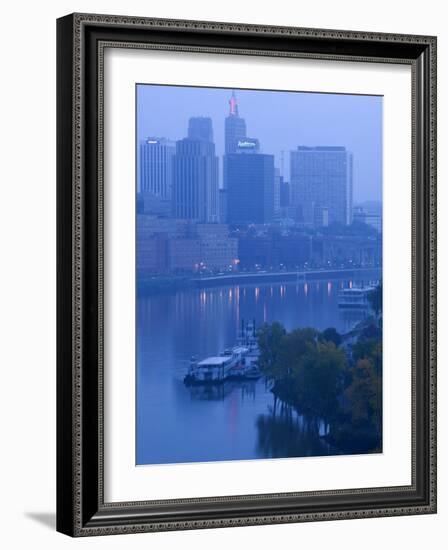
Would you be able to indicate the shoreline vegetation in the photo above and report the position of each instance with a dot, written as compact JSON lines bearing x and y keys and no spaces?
{"x":331,"y":380}
{"x":158,"y":284}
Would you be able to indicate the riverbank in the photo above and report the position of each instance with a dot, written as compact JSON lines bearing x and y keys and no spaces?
{"x":155,"y":285}
{"x":285,"y":276}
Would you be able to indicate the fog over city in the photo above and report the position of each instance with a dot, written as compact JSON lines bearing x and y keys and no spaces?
{"x":258,"y":274}
{"x":281,"y":121}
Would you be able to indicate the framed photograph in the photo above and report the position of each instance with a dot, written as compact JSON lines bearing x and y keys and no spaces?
{"x":246,"y":274}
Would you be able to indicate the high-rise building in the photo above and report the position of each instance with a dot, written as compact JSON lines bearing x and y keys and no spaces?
{"x":200,"y":128}
{"x":321,"y":187}
{"x":195,"y":181}
{"x":284,"y":192}
{"x":277,"y":186}
{"x":223,"y":205}
{"x":235,"y":127}
{"x":248,"y":175}
{"x":156,"y":156}
{"x":250,"y":187}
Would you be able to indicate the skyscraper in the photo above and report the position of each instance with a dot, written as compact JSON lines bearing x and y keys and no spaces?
{"x":321,"y":185}
{"x":195,"y":181}
{"x":277,"y":191}
{"x":250,"y":187}
{"x":235,"y":127}
{"x":200,"y":128}
{"x":248,"y":175}
{"x":284,"y":193}
{"x":156,"y":156}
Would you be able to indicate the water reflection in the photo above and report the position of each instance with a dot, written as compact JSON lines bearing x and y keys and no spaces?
{"x":217,"y":392}
{"x":233,"y":421}
{"x":287,"y":434}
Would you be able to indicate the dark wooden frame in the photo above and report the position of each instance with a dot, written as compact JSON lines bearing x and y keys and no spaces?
{"x":81,"y":510}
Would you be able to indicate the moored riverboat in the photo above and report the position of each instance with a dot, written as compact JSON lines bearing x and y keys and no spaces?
{"x":355,"y":297}
{"x":236,"y":363}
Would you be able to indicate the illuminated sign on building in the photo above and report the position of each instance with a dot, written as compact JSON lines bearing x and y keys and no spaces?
{"x":246,"y":144}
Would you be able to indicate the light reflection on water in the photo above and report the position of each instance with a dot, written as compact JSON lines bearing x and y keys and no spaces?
{"x":235,"y":420}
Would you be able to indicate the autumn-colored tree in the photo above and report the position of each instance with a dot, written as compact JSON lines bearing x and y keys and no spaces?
{"x":376,"y":299}
{"x":364,"y":394}
{"x":371,"y":349}
{"x":314,"y":375}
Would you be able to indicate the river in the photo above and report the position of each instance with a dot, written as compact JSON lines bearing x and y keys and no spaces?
{"x":236,"y":420}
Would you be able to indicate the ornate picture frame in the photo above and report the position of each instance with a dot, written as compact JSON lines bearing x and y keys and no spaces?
{"x":81,"y":506}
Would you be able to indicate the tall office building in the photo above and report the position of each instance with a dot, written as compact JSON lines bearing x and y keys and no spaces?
{"x":200,"y":128}
{"x":321,"y":186}
{"x":156,"y":156}
{"x":284,"y":193}
{"x":248,"y":175}
{"x":223,"y":205}
{"x":277,"y":190}
{"x":250,"y":187}
{"x":235,"y":127}
{"x":195,"y":181}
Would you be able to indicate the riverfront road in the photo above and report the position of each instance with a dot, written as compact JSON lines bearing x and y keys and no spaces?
{"x":284,"y":276}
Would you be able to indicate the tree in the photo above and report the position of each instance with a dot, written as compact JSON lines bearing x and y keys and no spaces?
{"x":356,"y":228}
{"x":270,"y":339}
{"x":307,"y":368}
{"x":295,"y":345}
{"x":375,"y":298}
{"x":331,"y":335}
{"x":312,"y":375}
{"x":363,"y":349}
{"x":364,"y":394}
{"x":360,"y":425}
{"x":371,"y":349}
{"x":319,"y":380}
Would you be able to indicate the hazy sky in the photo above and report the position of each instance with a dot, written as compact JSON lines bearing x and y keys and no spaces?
{"x":280,"y":120}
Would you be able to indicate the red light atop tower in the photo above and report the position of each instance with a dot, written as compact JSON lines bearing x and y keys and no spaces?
{"x":233,"y":105}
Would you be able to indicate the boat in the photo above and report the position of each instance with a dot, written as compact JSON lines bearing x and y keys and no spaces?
{"x":236,"y":363}
{"x":253,"y":372}
{"x":355,"y":297}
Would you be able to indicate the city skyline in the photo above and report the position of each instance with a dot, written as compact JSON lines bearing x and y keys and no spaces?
{"x":278,"y":120}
